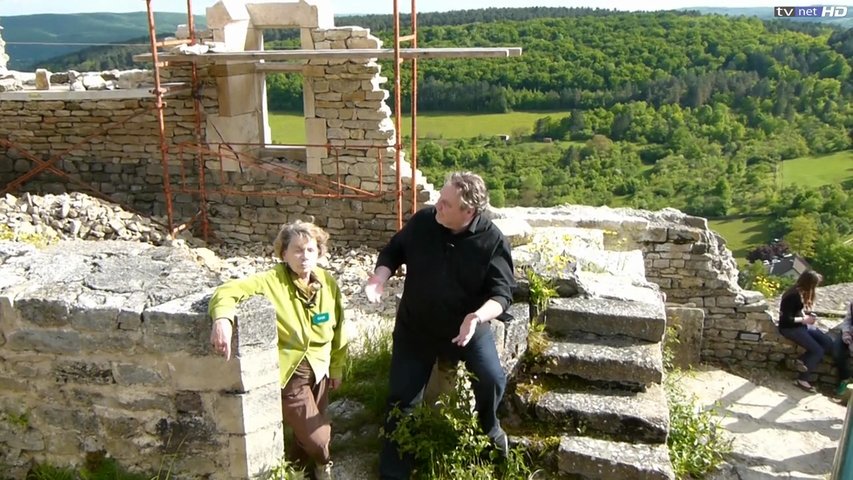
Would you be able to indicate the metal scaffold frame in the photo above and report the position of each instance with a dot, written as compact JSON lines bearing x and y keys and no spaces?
{"x":321,"y":186}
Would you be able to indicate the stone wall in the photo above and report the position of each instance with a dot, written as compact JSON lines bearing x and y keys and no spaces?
{"x":113,"y":144}
{"x":692,"y":265}
{"x":104,"y":348}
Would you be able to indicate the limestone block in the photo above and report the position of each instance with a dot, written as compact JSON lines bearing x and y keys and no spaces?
{"x":363,"y":43}
{"x":688,"y":323}
{"x":237,"y":93}
{"x":337,"y":133}
{"x":341,"y":33}
{"x":683,"y":235}
{"x":47,"y":341}
{"x":315,"y":131}
{"x":308,"y":97}
{"x":305,"y":13}
{"x":252,"y":411}
{"x":517,"y":231}
{"x":42,"y":79}
{"x":239,"y":129}
{"x":252,"y":455}
{"x":324,"y":113}
{"x":306,"y":38}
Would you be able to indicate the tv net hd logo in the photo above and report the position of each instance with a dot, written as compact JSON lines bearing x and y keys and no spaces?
{"x":826,"y":11}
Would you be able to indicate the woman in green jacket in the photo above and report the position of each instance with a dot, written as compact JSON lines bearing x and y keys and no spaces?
{"x":311,"y":340}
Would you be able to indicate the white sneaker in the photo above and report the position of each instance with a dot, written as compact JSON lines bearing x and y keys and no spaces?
{"x":323,"y":472}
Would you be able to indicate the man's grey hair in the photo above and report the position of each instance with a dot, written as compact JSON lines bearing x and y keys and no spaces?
{"x":471,"y":188}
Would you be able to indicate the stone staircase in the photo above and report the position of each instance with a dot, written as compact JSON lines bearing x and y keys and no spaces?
{"x":591,"y":390}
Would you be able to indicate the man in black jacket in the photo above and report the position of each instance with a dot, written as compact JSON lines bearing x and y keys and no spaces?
{"x":459,"y":277}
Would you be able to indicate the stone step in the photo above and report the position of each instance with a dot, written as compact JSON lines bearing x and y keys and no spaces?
{"x":610,"y":358}
{"x":624,"y":415}
{"x":605,"y":316}
{"x":593,"y":458}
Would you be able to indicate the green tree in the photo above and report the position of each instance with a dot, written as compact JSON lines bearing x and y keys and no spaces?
{"x":803,"y":235}
{"x":834,"y":259}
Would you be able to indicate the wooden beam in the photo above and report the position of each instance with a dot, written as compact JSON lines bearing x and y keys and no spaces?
{"x":353,"y":54}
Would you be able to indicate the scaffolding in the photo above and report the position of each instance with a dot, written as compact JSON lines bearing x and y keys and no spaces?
{"x":317,"y":184}
{"x":310,"y":185}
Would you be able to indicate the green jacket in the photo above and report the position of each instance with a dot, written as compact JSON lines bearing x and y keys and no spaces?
{"x":322,"y":341}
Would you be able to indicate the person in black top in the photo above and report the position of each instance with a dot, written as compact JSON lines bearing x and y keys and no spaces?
{"x":797,"y":323}
{"x":459,"y":277}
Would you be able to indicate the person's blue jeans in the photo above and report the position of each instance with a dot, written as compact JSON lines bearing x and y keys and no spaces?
{"x":410,"y":371}
{"x":815,"y":342}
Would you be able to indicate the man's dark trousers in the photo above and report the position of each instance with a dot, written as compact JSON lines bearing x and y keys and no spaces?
{"x":410,"y":370}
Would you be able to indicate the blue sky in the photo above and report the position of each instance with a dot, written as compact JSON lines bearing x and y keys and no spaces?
{"x":26,"y":7}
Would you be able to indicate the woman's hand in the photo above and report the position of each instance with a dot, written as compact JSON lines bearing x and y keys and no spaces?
{"x":334,"y":383}
{"x":220,"y":337}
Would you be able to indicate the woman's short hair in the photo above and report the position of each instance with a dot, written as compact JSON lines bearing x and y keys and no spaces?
{"x":472,"y":190}
{"x":300,"y":229}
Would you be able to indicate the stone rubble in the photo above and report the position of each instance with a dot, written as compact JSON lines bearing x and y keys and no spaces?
{"x":75,"y":216}
{"x":80,"y":216}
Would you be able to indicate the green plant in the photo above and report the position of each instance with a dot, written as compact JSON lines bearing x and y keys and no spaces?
{"x":49,"y":472}
{"x":98,"y":466}
{"x":20,"y":420}
{"x":285,"y":471}
{"x":366,"y":374}
{"x":447,"y":442}
{"x":670,"y":343}
{"x":697,"y":442}
{"x":541,"y":291}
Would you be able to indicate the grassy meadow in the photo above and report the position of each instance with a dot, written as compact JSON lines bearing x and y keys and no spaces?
{"x":289,"y":127}
{"x":741,"y":234}
{"x":815,"y":171}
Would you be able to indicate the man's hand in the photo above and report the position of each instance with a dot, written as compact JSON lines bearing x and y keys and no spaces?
{"x":373,"y":288}
{"x":847,"y":338}
{"x":220,"y":337}
{"x":466,"y":330}
{"x":334,"y":383}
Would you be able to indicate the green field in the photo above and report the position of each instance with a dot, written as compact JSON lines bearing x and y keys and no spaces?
{"x":741,"y":234}
{"x":289,"y":127}
{"x":817,"y":171}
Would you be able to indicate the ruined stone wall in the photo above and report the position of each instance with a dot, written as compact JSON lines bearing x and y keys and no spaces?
{"x":694,"y":268}
{"x":104,"y":348}
{"x":345,"y":111}
{"x":111,"y":139}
